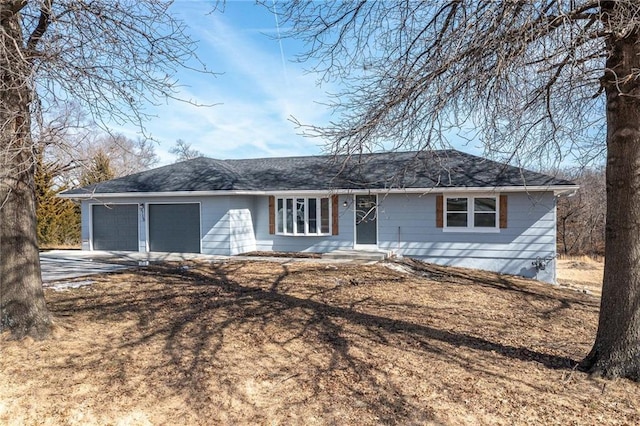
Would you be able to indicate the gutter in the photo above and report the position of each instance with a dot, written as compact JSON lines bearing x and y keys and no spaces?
{"x":558,"y":190}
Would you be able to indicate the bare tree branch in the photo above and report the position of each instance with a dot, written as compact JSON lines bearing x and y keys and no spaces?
{"x":518,"y":77}
{"x":460,"y":64}
{"x":43,"y":24}
{"x":111,"y":58}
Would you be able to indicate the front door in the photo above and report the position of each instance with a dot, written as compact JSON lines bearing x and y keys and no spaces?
{"x":366,"y":220}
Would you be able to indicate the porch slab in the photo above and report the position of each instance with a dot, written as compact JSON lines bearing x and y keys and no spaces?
{"x":369,"y":255}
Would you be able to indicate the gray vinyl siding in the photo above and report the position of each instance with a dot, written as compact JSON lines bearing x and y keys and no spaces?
{"x":215,"y":225}
{"x":314,"y":244}
{"x":214,"y":217}
{"x":239,"y":224}
{"x":407,"y":226}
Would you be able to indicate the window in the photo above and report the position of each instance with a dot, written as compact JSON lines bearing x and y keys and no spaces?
{"x":466,"y":213}
{"x":457,"y":212}
{"x":280,"y":222}
{"x":484,"y":212}
{"x":303,"y":216}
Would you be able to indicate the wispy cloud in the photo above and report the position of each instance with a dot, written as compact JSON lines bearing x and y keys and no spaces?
{"x":255,"y":97}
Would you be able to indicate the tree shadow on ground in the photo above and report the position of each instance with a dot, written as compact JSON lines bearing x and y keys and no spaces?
{"x":213,"y":320}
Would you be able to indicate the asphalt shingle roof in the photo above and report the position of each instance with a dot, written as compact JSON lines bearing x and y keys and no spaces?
{"x":391,"y":170}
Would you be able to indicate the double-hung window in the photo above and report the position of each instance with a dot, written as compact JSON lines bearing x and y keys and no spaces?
{"x":466,"y":213}
{"x":303,"y":216}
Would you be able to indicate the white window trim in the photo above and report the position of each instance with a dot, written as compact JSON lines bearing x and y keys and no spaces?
{"x":306,"y":233}
{"x":470,"y":228}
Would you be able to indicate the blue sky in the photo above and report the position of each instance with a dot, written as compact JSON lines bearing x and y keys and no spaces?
{"x":257,"y":92}
{"x":258,"y":89}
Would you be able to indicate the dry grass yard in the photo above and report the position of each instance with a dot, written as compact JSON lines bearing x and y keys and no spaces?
{"x":312,"y":344}
{"x":581,"y":273}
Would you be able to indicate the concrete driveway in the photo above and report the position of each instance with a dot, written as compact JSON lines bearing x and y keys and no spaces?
{"x":65,"y":264}
{"x":59,"y":265}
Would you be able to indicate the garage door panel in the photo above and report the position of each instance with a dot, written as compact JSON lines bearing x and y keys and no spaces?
{"x":115,"y":227}
{"x":174,"y":228}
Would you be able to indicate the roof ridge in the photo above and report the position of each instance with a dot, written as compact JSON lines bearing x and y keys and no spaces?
{"x":368,"y":154}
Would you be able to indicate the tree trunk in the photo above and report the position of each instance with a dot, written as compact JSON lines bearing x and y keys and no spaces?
{"x":616,"y":351}
{"x":22,"y":306}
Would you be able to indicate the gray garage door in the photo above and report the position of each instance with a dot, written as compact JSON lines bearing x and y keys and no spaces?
{"x":115,"y":227}
{"x":174,"y":228}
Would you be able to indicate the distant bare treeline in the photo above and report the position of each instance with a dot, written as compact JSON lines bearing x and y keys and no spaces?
{"x":581,"y":217}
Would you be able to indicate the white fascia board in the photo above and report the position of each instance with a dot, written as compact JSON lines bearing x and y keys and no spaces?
{"x":566,"y":191}
{"x":557,"y":189}
{"x":186,"y":194}
{"x":92,"y":195}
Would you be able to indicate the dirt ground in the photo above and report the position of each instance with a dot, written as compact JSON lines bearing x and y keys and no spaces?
{"x":582,"y":274}
{"x":309,"y":343}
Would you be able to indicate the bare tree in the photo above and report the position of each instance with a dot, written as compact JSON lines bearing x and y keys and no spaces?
{"x":125,"y":155}
{"x":130,"y":155}
{"x":549,"y":78}
{"x":70,"y":142}
{"x":111,"y":57}
{"x":183,"y":151}
{"x":98,"y":170}
{"x":581,"y":218}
